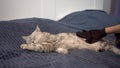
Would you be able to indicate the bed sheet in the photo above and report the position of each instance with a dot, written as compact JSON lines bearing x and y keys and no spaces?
{"x":12,"y":56}
{"x":89,"y":20}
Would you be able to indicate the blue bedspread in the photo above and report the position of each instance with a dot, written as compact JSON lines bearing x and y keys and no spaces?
{"x":12,"y":56}
{"x":90,"y":19}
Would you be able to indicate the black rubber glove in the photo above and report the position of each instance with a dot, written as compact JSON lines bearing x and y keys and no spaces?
{"x":117,"y":41}
{"x":92,"y":36}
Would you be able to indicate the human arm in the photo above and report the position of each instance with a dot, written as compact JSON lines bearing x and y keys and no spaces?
{"x":113,"y":29}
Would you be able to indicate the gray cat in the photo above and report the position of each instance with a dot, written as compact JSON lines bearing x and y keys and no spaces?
{"x":62,"y":43}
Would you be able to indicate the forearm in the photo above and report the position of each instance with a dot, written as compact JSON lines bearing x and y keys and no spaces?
{"x":112,"y":29}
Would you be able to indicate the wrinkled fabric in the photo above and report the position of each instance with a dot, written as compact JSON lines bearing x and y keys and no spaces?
{"x":90,"y":20}
{"x":12,"y":56}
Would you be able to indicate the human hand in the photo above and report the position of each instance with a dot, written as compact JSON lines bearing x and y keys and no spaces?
{"x":92,"y":36}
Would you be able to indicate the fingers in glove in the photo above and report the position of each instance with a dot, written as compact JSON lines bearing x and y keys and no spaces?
{"x":83,"y":34}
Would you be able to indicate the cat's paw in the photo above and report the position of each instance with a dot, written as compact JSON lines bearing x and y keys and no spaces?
{"x":62,"y":50}
{"x":23,"y":46}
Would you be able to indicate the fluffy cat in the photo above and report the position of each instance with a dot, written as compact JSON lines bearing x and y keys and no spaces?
{"x":62,"y":43}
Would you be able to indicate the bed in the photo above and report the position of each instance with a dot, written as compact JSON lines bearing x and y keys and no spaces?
{"x":12,"y":56}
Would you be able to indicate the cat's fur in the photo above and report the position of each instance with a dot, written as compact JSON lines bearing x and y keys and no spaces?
{"x":62,"y":43}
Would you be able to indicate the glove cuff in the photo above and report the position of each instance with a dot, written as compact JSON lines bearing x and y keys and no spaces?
{"x":104,"y":32}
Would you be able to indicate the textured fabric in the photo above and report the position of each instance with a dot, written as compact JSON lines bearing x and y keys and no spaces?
{"x":90,"y":20}
{"x":12,"y":56}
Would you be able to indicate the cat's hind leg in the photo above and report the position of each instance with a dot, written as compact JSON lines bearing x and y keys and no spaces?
{"x":113,"y":49}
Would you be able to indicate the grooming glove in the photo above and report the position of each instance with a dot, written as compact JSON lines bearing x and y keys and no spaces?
{"x":117,"y":41}
{"x":92,"y":36}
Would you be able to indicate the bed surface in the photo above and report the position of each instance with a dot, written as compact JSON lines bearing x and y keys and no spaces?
{"x":12,"y":56}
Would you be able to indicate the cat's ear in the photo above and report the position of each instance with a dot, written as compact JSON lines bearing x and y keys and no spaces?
{"x":37,"y":29}
{"x":25,"y":37}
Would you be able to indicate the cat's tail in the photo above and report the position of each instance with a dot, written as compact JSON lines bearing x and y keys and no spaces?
{"x":113,"y":49}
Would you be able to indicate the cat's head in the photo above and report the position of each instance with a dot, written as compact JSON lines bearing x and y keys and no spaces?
{"x":34,"y":36}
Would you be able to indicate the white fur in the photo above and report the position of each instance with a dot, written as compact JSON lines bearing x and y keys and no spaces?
{"x":62,"y":43}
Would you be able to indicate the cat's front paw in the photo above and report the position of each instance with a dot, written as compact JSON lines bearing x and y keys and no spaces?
{"x":23,"y":46}
{"x":62,"y":50}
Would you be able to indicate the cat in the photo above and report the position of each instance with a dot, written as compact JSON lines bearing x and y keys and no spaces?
{"x":62,"y":43}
